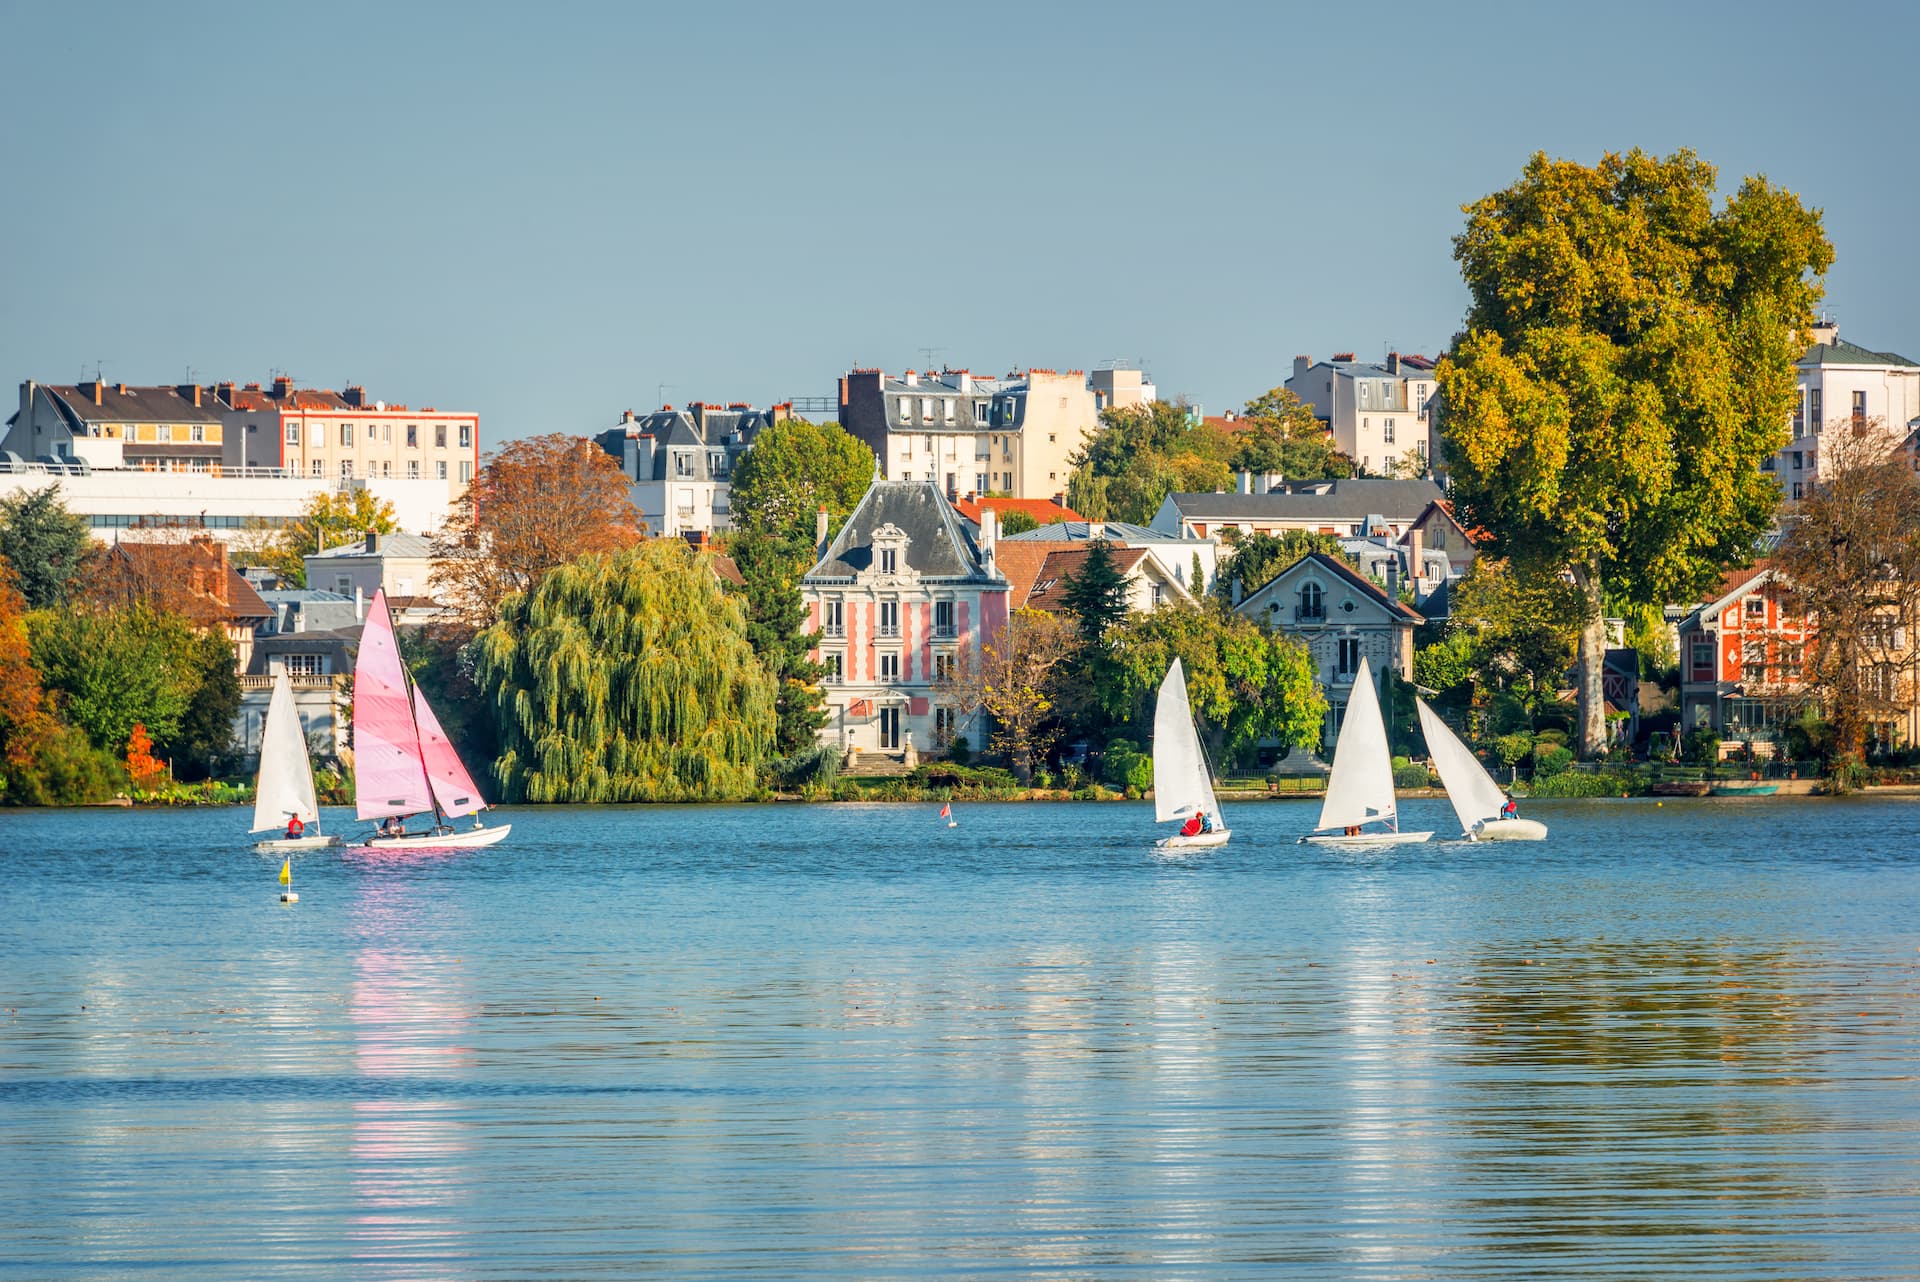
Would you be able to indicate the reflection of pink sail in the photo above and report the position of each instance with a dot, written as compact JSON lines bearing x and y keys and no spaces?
{"x":453,"y":787}
{"x":388,"y":778}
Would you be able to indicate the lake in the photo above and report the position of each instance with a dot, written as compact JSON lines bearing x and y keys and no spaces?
{"x":846,"y":1041}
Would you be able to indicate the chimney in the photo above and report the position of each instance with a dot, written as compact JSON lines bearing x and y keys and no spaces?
{"x":1301,"y":364}
{"x":354,"y":396}
{"x":99,"y":389}
{"x":1393,"y":362}
{"x":1393,"y":577}
{"x":820,"y":532}
{"x":1826,"y":331}
{"x":989,"y":530}
{"x":282,"y":384}
{"x":373,"y":542}
{"x":626,"y":416}
{"x":843,"y":395}
{"x":1096,"y":530}
{"x":359,"y":606}
{"x":1416,"y":560}
{"x":911,"y":379}
{"x":1246,"y":482}
{"x":1060,"y":499}
{"x":1236,"y":592}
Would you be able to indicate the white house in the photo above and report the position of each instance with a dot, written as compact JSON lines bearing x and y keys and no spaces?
{"x":1844,"y":385}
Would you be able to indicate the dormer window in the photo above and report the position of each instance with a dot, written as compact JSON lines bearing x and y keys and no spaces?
{"x":889,"y":561}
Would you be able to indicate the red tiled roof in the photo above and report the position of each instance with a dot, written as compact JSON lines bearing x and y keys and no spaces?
{"x":1050,"y":585}
{"x":1043,"y":511}
{"x":726,"y":570}
{"x":1021,"y":560}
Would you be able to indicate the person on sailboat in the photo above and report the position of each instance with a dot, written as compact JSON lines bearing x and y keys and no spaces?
{"x":1191,"y":828}
{"x":1206,"y":822}
{"x":295,"y":829}
{"x":1510,"y":810}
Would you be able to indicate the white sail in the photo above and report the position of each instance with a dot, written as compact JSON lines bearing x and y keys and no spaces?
{"x":1474,"y":794}
{"x":285,"y":786}
{"x":1182,"y":784}
{"x":1360,"y":787}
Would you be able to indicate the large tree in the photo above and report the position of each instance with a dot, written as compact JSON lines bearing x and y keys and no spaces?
{"x":626,"y":676}
{"x":1281,"y":435}
{"x":110,"y":670}
{"x":535,"y":504}
{"x":46,"y":545}
{"x":1096,"y":594}
{"x":1259,"y":558}
{"x":330,"y":519}
{"x":1246,"y":684}
{"x":1851,"y":559}
{"x":770,"y":570}
{"x":1627,"y":362}
{"x":1017,"y":680}
{"x":794,"y":469}
{"x":23,"y":714}
{"x":1141,"y":454}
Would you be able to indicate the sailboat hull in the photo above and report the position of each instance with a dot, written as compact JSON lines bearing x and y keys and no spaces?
{"x":316,"y":842}
{"x":1368,"y":838}
{"x":458,"y":839}
{"x":1218,"y":837}
{"x":1509,"y":830}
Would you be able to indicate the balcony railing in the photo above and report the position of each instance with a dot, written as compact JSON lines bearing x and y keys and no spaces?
{"x":944,"y":631}
{"x":833,"y":630}
{"x":887,"y":630}
{"x":1309,"y":614}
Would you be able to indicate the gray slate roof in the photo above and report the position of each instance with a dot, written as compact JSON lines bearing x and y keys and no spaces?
{"x":939,"y":545}
{"x":1076,"y":532}
{"x":407,"y":545}
{"x":1345,"y":500}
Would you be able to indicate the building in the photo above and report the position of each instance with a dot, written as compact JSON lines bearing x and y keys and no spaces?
{"x":1014,"y":435}
{"x":1439,"y":529}
{"x":322,"y":434}
{"x":1378,"y":413}
{"x":1117,"y":386}
{"x":1175,"y":554}
{"x":903,"y":593}
{"x":312,"y":637}
{"x":116,"y":426}
{"x":1039,"y":573}
{"x":1740,"y":656}
{"x":679,"y":463}
{"x":1341,"y":617}
{"x":1344,"y":507}
{"x":1844,"y":386}
{"x":1043,"y":511}
{"x":402,"y":564}
{"x":189,"y":577}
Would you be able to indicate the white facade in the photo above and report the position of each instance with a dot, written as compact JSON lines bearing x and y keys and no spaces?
{"x":1843,"y":385}
{"x":224,"y":504}
{"x":1378,"y":413}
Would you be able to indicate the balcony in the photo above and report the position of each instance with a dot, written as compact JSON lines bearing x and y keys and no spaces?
{"x":887,"y":630}
{"x":1312,"y":616}
{"x":944,"y":632}
{"x":833,"y":630}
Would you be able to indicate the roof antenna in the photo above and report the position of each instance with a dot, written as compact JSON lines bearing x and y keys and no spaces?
{"x":927,"y":354}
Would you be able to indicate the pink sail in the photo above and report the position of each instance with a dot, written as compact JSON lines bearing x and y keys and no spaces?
{"x":453,"y":787}
{"x":388,"y":777}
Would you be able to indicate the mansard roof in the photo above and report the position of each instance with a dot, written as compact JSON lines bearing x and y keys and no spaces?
{"x":939,"y":544}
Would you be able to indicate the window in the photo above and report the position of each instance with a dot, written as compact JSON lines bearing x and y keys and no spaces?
{"x":834,"y":673}
{"x":346,"y":468}
{"x":1859,"y":407}
{"x":1756,"y":607}
{"x":196,"y":433}
{"x":343,"y":584}
{"x":943,"y":619}
{"x":1813,"y":408}
{"x":682,"y":463}
{"x":1797,"y":492}
{"x":1157,"y":593}
{"x":980,"y":411}
{"x":305,"y":665}
{"x":1437,"y":534}
{"x":165,"y":433}
{"x":889,"y":619}
{"x":466,"y":435}
{"x":439,"y":436}
{"x":926,"y":414}
{"x":1800,"y":413}
{"x":293,"y":433}
{"x":1386,"y":427}
{"x":979,"y":482}
{"x":1753,"y":658}
{"x":943,"y":667}
{"x":945,"y":725}
{"x":1796,"y":460}
{"x":832,"y":619}
{"x":889,"y":667}
{"x":413,"y":469}
{"x":346,"y":434}
{"x":386,"y":433}
{"x":1312,"y":602}
{"x":440,"y":470}
{"x":1363,"y":392}
{"x":929,"y":442}
{"x":373,"y":431}
{"x":319,"y":468}
{"x":1050,"y":438}
{"x":906,"y":409}
{"x":386,"y":467}
{"x":1702,"y":657}
{"x":889,"y":561}
{"x":946,"y":410}
{"x":1349,"y":660}
{"x":413,"y":436}
{"x":466,"y":471}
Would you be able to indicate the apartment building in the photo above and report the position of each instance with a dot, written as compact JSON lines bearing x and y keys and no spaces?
{"x":1844,"y":386}
{"x":964,"y":434}
{"x":1378,"y":413}
{"x":1117,"y":386}
{"x":317,"y":433}
{"x":99,"y":424}
{"x":680,"y":463}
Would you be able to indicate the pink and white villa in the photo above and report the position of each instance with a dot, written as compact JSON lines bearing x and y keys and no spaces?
{"x":904,"y":590}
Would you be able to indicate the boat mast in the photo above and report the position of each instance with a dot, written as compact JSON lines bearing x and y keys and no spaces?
{"x":413,"y":714}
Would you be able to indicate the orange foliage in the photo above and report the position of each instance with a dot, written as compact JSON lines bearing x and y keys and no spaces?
{"x":142,"y":765}
{"x":23,"y":712}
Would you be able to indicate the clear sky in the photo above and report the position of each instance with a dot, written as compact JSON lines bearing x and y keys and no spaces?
{"x":544,"y":212}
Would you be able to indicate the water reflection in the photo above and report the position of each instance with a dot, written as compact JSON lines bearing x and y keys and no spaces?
{"x":410,"y":1017}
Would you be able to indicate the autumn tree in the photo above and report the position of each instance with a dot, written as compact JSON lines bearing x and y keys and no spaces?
{"x":1627,"y":362}
{"x":1281,"y":435}
{"x":23,"y":713}
{"x":535,"y":504}
{"x":1246,"y":684}
{"x":329,"y":520}
{"x":47,"y":546}
{"x":794,"y":469}
{"x":1851,"y":560}
{"x":1015,"y":678}
{"x":110,"y":669}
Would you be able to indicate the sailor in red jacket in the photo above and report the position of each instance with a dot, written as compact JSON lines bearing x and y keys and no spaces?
{"x":1193,"y":825}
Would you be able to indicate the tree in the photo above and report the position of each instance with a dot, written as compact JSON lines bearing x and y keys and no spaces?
{"x":205,"y":732}
{"x":1097,"y":595}
{"x":330,"y":519}
{"x":1143,"y":453}
{"x":626,"y":676}
{"x":1246,"y":684}
{"x":535,"y":504}
{"x":1523,"y":626}
{"x":1016,"y":679}
{"x":1259,"y":558}
{"x":1197,"y":576}
{"x":1851,"y":559}
{"x":776,"y":617}
{"x":23,"y":712}
{"x":1282,"y":436}
{"x":109,"y":670}
{"x":1017,"y":522}
{"x":794,"y":469}
{"x":46,"y":545}
{"x":1627,"y":362}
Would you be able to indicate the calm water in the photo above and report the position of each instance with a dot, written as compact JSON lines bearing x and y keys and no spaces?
{"x":846,"y":1041}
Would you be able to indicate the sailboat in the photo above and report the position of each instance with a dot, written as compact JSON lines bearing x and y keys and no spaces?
{"x":403,"y":762}
{"x":1476,"y":798}
{"x":284,"y":788}
{"x":1360,"y":787}
{"x":1182,"y":782}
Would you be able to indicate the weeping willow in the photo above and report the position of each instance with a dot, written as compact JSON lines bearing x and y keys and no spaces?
{"x":626,"y":677}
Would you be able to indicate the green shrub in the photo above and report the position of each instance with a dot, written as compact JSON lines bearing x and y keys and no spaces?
{"x":1042,"y":779}
{"x":810,"y":768}
{"x":1126,"y":768}
{"x":960,"y":751}
{"x":1598,"y":783}
{"x":1550,"y":759}
{"x":65,"y":769}
{"x":1703,"y":747}
{"x":1512,"y":749}
{"x":1411,"y":775}
{"x":848,"y":790}
{"x":1557,"y":738}
{"x":1401,"y":763}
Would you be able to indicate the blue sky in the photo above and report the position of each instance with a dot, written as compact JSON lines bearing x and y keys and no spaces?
{"x":545,"y":212}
